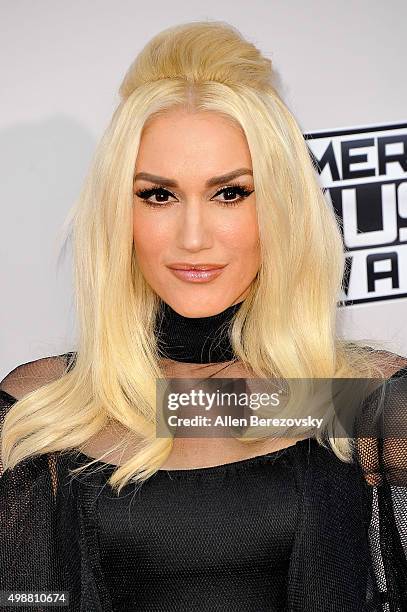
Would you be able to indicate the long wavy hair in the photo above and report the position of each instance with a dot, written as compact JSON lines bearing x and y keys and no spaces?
{"x":286,"y":327}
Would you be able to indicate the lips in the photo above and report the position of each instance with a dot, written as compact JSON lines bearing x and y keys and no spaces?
{"x":186,"y":266}
{"x":196,"y":273}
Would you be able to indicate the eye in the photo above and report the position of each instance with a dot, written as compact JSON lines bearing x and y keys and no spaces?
{"x":231,"y":191}
{"x":159,"y":192}
{"x":162,"y":195}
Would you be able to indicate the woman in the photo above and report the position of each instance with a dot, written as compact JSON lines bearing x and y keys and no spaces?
{"x":203,"y":249}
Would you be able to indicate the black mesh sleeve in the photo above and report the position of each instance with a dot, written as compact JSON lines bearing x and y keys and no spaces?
{"x":382,"y":457}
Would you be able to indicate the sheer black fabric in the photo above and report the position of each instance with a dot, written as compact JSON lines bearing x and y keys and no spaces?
{"x":344,"y":537}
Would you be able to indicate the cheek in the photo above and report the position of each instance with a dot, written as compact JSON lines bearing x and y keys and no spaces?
{"x":248,"y":257}
{"x":242,"y":235}
{"x":150,"y":236}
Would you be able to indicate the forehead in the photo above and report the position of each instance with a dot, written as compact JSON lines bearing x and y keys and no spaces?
{"x":200,"y":144}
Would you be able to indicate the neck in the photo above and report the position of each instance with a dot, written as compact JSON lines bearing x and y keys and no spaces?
{"x":195,"y":340}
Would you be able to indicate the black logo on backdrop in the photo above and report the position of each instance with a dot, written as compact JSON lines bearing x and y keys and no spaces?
{"x":363,"y":173}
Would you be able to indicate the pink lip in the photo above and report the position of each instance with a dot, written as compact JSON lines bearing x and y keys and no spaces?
{"x":179,"y":265}
{"x":201,"y":274}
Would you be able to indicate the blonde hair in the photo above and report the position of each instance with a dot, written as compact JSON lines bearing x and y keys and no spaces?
{"x":286,"y":326}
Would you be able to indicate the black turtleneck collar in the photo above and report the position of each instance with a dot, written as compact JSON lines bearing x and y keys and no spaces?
{"x":194,"y":340}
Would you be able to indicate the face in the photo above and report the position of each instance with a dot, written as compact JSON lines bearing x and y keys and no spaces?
{"x":195,"y":228}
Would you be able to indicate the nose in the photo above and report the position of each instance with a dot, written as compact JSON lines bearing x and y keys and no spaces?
{"x":193,"y":227}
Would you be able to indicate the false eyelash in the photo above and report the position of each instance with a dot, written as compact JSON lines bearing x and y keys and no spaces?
{"x":144,"y":194}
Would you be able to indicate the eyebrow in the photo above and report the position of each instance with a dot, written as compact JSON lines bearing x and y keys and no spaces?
{"x":212,"y":182}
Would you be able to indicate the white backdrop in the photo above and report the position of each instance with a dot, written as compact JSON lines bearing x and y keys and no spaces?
{"x":340,"y":64}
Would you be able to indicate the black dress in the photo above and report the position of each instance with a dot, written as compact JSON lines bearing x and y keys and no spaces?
{"x":215,"y":538}
{"x":297,"y":529}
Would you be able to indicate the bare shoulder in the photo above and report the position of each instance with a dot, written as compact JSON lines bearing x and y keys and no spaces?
{"x":32,"y":375}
